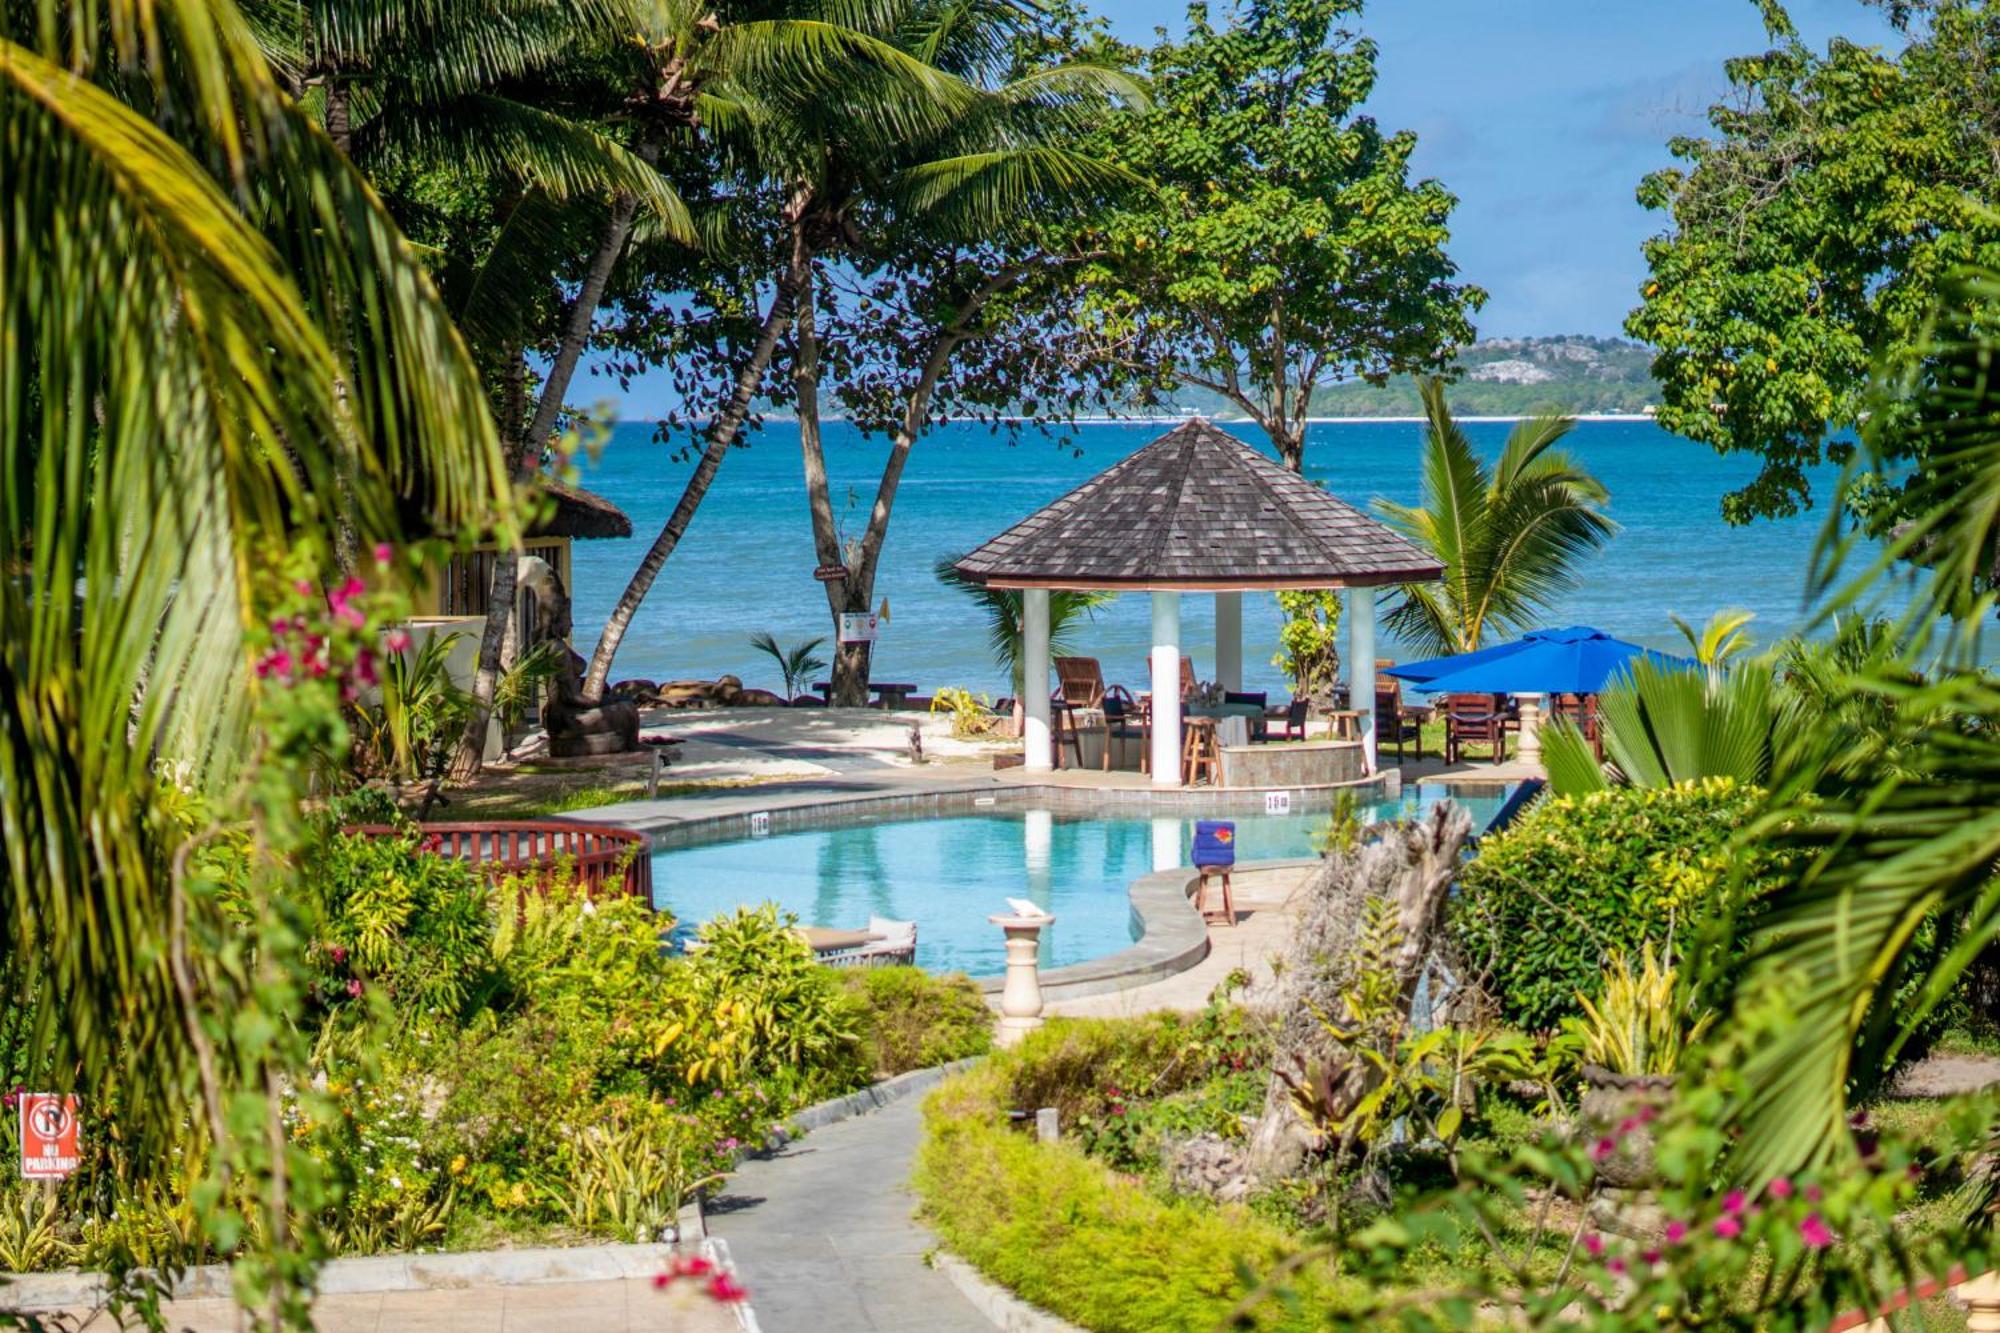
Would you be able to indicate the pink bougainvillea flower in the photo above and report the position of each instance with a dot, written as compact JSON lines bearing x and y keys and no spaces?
{"x":1615,"y":1267}
{"x":1729,"y":1228}
{"x":1780,"y":1188}
{"x":1815,"y":1232}
{"x":354,"y":987}
{"x":1630,"y":1123}
{"x":338,"y":953}
{"x":275,"y":663}
{"x":398,"y":641}
{"x":662,"y":1280}
{"x":1593,"y":1245}
{"x":1602,"y":1150}
{"x":693,"y":1265}
{"x":1676,"y":1232}
{"x":726,"y":1289}
{"x":1651,"y":1257}
{"x":384,"y":553}
{"x":1733,"y":1203}
{"x":1812,"y":1194}
{"x":303,"y":587}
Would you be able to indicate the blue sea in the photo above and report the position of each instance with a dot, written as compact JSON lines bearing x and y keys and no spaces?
{"x":746,"y":563}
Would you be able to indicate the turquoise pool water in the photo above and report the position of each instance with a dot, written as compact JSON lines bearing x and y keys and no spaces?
{"x":949,"y":873}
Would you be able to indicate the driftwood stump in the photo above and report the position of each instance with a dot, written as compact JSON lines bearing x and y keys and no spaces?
{"x":1410,"y":868}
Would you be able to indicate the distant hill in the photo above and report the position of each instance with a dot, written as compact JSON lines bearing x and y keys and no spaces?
{"x":1499,"y":377}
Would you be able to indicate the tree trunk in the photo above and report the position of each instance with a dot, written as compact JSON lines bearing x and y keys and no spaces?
{"x":857,"y":591}
{"x":721,"y":434}
{"x":850,"y":660}
{"x":1410,"y":868}
{"x":526,"y":461}
{"x":339,"y":114}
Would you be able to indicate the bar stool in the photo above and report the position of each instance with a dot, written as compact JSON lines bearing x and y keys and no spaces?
{"x":1062,"y":719}
{"x":1200,"y":756}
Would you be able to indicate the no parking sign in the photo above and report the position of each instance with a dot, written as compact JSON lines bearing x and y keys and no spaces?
{"x":48,"y":1135}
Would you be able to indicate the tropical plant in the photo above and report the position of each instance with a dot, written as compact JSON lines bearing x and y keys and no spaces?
{"x":1718,"y":641}
{"x":527,"y":681}
{"x":1510,"y":536}
{"x":1005,"y":626}
{"x":971,"y":714}
{"x":796,"y":664}
{"x":1639,"y":1022}
{"x":1309,"y":640}
{"x":410,"y":733}
{"x":1665,"y":725}
{"x":1895,"y":898}
{"x":224,"y":364}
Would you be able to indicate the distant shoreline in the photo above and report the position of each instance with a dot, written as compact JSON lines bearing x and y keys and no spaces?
{"x":1245,"y":421}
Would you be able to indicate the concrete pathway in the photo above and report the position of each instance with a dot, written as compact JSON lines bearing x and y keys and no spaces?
{"x":823,"y":1236}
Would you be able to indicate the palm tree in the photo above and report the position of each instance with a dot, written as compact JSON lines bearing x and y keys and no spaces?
{"x":893,"y":126}
{"x":796,"y":663}
{"x":1720,"y":640}
{"x":1896,"y":896}
{"x":1006,"y":628}
{"x":219,"y":346}
{"x":1510,"y":536}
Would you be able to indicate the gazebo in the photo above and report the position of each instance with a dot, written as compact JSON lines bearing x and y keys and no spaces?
{"x":1197,"y":510}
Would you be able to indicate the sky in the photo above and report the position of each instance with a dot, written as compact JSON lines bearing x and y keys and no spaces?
{"x":1542,"y":116}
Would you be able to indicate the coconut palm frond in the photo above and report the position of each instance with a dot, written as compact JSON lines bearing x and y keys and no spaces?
{"x":980,"y":193}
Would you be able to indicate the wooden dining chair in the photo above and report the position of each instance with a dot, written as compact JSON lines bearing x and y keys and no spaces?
{"x":1473,"y":719}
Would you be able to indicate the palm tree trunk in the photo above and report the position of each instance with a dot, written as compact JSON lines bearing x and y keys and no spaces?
{"x":526,"y":460}
{"x":721,"y":434}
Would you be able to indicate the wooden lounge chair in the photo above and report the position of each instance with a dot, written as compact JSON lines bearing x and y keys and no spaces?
{"x":893,"y":942}
{"x":1473,"y":719}
{"x":1395,"y":724}
{"x":1080,"y":682}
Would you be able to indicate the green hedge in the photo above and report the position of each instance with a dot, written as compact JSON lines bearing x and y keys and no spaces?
{"x":1070,"y":1235}
{"x":905,"y":1018}
{"x":1576,"y":879}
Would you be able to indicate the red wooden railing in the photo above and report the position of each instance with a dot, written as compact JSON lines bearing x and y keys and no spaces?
{"x":604,"y":859}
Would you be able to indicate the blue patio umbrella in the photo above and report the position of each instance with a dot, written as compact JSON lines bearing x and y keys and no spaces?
{"x":1577,"y":660}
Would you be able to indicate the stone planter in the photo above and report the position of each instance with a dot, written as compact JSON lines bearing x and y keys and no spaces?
{"x":1619,"y":1109}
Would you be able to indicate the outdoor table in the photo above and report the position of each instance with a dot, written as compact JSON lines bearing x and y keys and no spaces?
{"x":1232,"y":721}
{"x":889,"y":694}
{"x":1232,"y":729}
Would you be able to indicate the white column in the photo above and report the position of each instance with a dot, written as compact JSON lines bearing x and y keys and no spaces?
{"x":1035,"y":679}
{"x":1361,"y":665}
{"x":1166,"y":843}
{"x":1229,"y":640}
{"x":1531,"y":728}
{"x":1166,"y":689}
{"x":1037,"y":849}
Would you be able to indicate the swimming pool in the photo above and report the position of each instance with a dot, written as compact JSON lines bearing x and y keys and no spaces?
{"x":948,"y":873}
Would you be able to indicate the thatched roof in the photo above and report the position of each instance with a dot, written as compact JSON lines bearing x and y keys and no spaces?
{"x":581,"y":514}
{"x":1198,"y":510}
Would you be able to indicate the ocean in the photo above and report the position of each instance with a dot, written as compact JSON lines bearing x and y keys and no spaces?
{"x":746,"y":563}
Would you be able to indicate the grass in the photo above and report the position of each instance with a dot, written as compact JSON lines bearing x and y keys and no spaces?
{"x":531,"y":792}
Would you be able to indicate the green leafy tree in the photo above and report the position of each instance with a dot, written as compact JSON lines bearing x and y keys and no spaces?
{"x":220,"y":354}
{"x":1809,"y":233}
{"x":1510,"y":535}
{"x":1285,"y":246}
{"x":1309,"y":640}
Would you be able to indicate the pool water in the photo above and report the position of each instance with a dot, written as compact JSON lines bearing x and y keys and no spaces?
{"x":949,"y":873}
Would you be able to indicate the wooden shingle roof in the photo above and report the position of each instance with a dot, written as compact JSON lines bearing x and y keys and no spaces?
{"x":1198,"y":509}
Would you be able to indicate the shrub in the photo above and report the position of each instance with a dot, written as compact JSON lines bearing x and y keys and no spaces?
{"x":1577,"y":879}
{"x":395,"y":916}
{"x":1072,"y":1235}
{"x":905,"y":1018}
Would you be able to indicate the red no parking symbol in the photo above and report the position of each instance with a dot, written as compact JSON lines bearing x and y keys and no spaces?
{"x":48,"y":1135}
